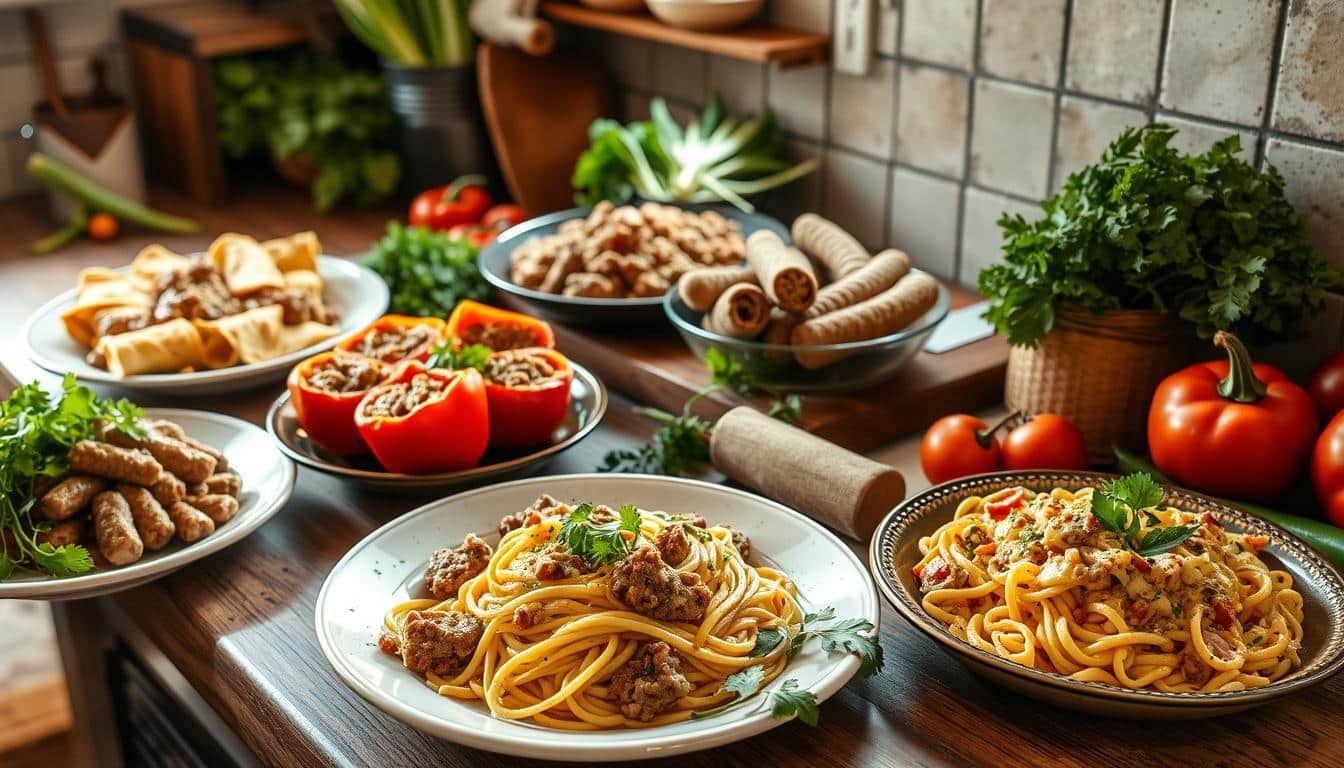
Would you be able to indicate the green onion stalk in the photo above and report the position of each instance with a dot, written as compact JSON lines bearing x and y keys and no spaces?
{"x":413,"y":33}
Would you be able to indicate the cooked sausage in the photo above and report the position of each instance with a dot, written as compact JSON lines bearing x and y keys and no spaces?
{"x":171,"y":429}
{"x":70,"y":496}
{"x":188,"y":463}
{"x":63,"y":533}
{"x":219,"y":507}
{"x":168,"y":490}
{"x":126,"y":465}
{"x":192,"y":524}
{"x":226,"y":483}
{"x":115,"y":529}
{"x":156,"y":529}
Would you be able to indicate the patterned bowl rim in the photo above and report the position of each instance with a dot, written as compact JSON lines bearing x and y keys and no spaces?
{"x":894,"y":534}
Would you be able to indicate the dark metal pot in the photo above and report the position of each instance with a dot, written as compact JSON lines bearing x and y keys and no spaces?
{"x":442,"y":132}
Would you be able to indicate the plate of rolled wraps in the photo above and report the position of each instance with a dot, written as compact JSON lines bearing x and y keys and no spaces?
{"x":820,"y":313}
{"x":144,"y":506}
{"x":609,"y":266}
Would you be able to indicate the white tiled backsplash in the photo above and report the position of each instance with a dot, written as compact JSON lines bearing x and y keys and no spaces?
{"x":977,"y":107}
{"x":971,"y":107}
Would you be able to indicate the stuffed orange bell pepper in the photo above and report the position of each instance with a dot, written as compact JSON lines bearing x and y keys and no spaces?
{"x":325,"y":390}
{"x":393,"y":338}
{"x":476,"y":323}
{"x":1230,"y":428}
{"x":528,"y":391}
{"x":426,"y":421}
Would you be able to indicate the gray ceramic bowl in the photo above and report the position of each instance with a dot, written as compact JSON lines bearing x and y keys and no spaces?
{"x":871,"y":361}
{"x":580,"y":310}
{"x":588,"y":403}
{"x":895,"y":550}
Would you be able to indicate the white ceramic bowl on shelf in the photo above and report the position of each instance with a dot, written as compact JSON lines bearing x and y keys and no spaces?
{"x":617,"y":6}
{"x":705,"y":15}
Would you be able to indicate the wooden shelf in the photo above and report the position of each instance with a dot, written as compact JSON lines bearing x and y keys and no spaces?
{"x":755,"y":42}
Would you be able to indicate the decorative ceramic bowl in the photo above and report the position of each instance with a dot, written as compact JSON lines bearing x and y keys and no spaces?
{"x":895,"y":551}
{"x":705,"y":15}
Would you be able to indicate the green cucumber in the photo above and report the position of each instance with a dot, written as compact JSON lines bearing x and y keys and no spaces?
{"x":99,"y":198}
{"x":1326,"y":538}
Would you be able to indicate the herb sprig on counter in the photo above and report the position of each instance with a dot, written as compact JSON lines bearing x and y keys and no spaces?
{"x":427,"y":272}
{"x":790,"y":698}
{"x":1121,"y":506}
{"x":681,"y":444}
{"x":600,"y":544}
{"x":1205,"y":237}
{"x":36,"y":433}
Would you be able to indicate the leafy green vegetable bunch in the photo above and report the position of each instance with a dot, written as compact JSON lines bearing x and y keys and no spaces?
{"x":427,"y":272}
{"x":36,"y":433}
{"x":715,"y":158}
{"x":1147,"y":227}
{"x":313,"y":107}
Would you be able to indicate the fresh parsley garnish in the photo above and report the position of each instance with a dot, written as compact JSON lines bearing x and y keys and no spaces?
{"x":600,"y":544}
{"x":680,"y":445}
{"x":36,"y":433}
{"x":445,"y":355}
{"x":426,"y":271}
{"x":837,"y":636}
{"x":1121,"y":506}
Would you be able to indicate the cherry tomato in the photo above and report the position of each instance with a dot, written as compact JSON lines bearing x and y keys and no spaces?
{"x":1327,"y":387}
{"x":102,"y":226}
{"x":477,"y":236}
{"x":1048,"y":441}
{"x":1327,"y":470}
{"x":464,"y":201}
{"x":503,"y":216}
{"x":957,"y":446}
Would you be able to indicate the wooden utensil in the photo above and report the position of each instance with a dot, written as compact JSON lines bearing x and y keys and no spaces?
{"x":46,"y":61}
{"x":538,"y":111}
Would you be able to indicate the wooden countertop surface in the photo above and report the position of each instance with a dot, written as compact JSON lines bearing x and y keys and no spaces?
{"x":239,"y":625}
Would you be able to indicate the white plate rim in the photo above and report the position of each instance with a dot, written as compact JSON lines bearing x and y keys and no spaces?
{"x":350,"y":323}
{"x":554,"y":744}
{"x":111,"y":579}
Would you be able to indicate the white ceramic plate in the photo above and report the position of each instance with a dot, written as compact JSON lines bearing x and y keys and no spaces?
{"x":268,"y":480}
{"x":353,"y":290}
{"x":380,"y":570}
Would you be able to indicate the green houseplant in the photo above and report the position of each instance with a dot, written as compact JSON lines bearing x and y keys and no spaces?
{"x":1138,"y":253}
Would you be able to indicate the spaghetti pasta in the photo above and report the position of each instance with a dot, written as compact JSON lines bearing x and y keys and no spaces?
{"x":1043,"y":584}
{"x":570,"y":644}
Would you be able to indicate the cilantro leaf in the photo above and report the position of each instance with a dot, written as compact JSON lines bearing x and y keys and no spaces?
{"x":790,"y":699}
{"x":854,"y":636}
{"x":744,"y":682}
{"x":788,"y":409}
{"x":725,"y":371}
{"x":767,"y":640}
{"x":1137,"y":490}
{"x":1159,"y":540}
{"x":446,"y":356}
{"x":599,"y":544}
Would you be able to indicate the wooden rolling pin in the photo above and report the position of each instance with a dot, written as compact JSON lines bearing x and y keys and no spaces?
{"x":838,"y":488}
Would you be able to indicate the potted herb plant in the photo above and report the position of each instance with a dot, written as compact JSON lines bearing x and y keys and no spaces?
{"x":428,"y":53}
{"x":1139,"y":253}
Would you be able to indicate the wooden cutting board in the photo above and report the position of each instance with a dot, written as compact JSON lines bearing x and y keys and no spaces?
{"x":656,"y":368}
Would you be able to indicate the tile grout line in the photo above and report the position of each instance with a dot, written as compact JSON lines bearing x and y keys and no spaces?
{"x":1052,"y":162}
{"x":965,"y":181}
{"x":889,"y":212}
{"x":1163,"y":45}
{"x":1271,"y":92}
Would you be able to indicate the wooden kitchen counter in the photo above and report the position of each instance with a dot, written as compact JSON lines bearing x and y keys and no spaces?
{"x":228,"y":642}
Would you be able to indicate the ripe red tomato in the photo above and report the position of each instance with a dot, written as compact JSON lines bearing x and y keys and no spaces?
{"x":957,"y":446}
{"x":1327,"y":470}
{"x":464,"y":201}
{"x":1327,"y":387}
{"x":503,"y":216}
{"x":477,"y":236}
{"x":1048,"y":441}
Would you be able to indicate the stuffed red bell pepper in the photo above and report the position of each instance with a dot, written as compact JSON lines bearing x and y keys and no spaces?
{"x":325,"y":390}
{"x":528,"y":392}
{"x":475,"y":323}
{"x":426,"y":421}
{"x":392,"y":338}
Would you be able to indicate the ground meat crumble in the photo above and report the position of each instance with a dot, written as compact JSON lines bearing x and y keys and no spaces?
{"x":647,"y":585}
{"x":517,"y":368}
{"x":649,"y":683}
{"x":399,"y":400}
{"x":346,"y":373}
{"x":441,"y":642}
{"x":451,"y":567}
{"x":499,"y":336}
{"x":392,"y":344}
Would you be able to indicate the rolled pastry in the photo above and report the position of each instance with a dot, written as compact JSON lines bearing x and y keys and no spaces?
{"x":165,"y":348}
{"x":244,"y":264}
{"x":255,"y":336}
{"x":299,"y":251}
{"x":154,"y":260}
{"x":100,"y":290}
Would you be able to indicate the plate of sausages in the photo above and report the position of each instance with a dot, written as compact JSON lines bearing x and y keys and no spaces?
{"x":144,"y":506}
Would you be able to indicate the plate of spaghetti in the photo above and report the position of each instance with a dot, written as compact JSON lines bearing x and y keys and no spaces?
{"x":1112,"y":595}
{"x":599,"y":617}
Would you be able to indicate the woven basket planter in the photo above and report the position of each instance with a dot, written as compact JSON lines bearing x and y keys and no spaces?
{"x":1100,"y":372}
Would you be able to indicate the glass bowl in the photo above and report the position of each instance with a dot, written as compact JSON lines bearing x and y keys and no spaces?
{"x":773,"y":365}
